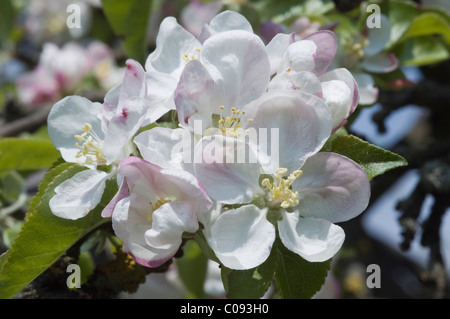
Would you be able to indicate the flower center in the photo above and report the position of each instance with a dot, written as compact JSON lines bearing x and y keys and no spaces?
{"x":231,"y":125}
{"x":280,"y":189}
{"x":355,"y":50}
{"x":196,"y":56}
{"x":91,"y":147}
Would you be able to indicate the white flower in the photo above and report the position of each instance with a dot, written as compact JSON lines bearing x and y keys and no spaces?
{"x":154,"y":208}
{"x":92,"y":134}
{"x":309,"y":192}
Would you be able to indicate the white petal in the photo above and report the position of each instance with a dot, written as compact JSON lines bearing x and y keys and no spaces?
{"x":344,"y":75}
{"x":299,"y":56}
{"x":193,"y":95}
{"x":226,"y":176}
{"x":172,"y":43}
{"x":367,"y":91}
{"x":122,"y":126}
{"x":304,"y":81}
{"x":77,"y":196}
{"x":225,"y":21}
{"x":302,"y":122}
{"x":66,"y":119}
{"x":168,"y":224}
{"x":130,"y":222}
{"x":167,"y":148}
{"x":242,"y":238}
{"x":161,"y":88}
{"x":239,"y":65}
{"x":332,"y":187}
{"x":276,"y":49}
{"x":314,"y":239}
{"x":338,"y":97}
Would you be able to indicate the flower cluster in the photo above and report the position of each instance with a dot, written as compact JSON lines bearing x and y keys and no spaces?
{"x":245,"y":163}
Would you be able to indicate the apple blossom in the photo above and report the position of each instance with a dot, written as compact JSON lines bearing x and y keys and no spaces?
{"x":154,"y":209}
{"x":308,"y":193}
{"x":175,"y":47}
{"x":94,"y":134}
{"x":303,"y":64}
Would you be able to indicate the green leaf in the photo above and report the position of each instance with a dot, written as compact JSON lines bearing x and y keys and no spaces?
{"x":428,"y":24}
{"x":249,"y":284}
{"x":192,"y":268}
{"x":129,"y":20}
{"x":7,"y":17}
{"x":373,"y":159}
{"x":26,"y":154}
{"x":297,"y":278}
{"x":423,"y":50}
{"x":45,"y":237}
{"x":400,"y":15}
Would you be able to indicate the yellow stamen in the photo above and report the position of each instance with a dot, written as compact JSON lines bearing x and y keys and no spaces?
{"x":92,"y":147}
{"x":280,"y":190}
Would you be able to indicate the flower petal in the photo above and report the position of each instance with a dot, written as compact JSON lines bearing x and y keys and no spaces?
{"x":299,"y":56}
{"x":338,"y":97}
{"x":380,"y":63}
{"x":121,"y":194}
{"x":122,"y":126}
{"x":239,"y":65}
{"x":242,"y":238}
{"x":172,"y":43}
{"x":367,"y":91}
{"x":130,"y":222}
{"x":161,"y":88}
{"x":77,"y":196}
{"x":165,"y":147}
{"x":225,"y":21}
{"x":226,"y":176}
{"x":168,"y":224}
{"x":276,"y":49}
{"x":304,"y":81}
{"x":326,"y":43}
{"x":193,"y":95}
{"x":314,"y":239}
{"x":66,"y":119}
{"x":302,"y":122}
{"x":332,"y":187}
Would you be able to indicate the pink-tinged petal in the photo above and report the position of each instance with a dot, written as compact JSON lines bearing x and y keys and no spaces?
{"x":297,"y":125}
{"x":122,"y":127}
{"x":378,"y":37}
{"x":225,"y":21}
{"x":121,"y":194}
{"x":344,"y":75}
{"x":227,"y":168}
{"x":332,"y":187}
{"x":110,"y":102}
{"x":168,"y":224}
{"x":80,"y":194}
{"x":130,"y":223}
{"x":196,"y":14}
{"x":238,"y":63}
{"x":242,"y":238}
{"x":193,"y":95}
{"x":277,"y":48}
{"x":172,"y":43}
{"x":380,"y":63}
{"x":314,"y":239}
{"x":66,"y":120}
{"x":367,"y":91}
{"x":134,"y":84}
{"x":326,"y":49}
{"x":338,"y":97}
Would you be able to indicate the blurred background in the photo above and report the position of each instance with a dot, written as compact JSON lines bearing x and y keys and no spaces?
{"x":399,"y":57}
